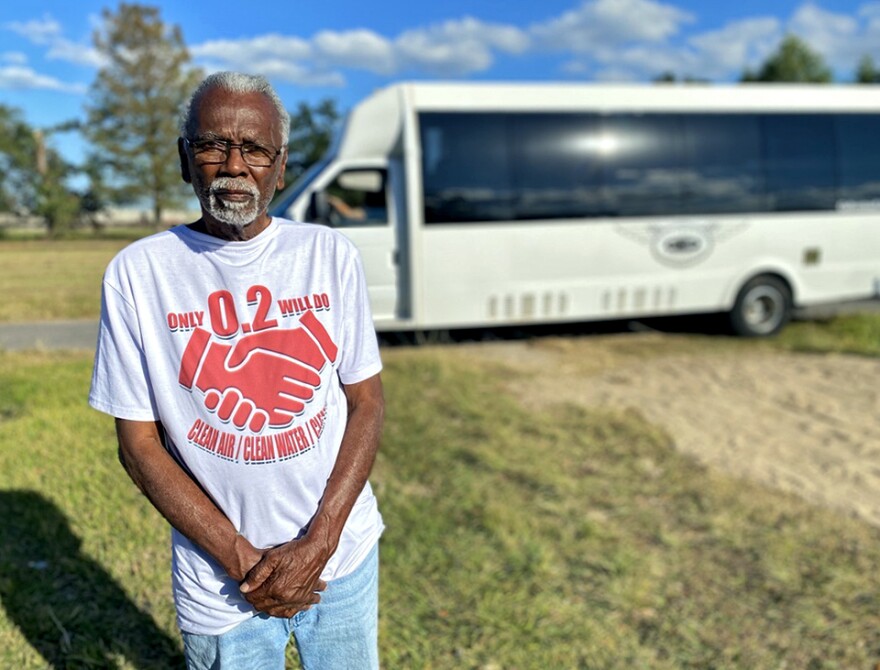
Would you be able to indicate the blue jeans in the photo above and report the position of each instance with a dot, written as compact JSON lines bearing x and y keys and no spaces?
{"x":339,"y":632}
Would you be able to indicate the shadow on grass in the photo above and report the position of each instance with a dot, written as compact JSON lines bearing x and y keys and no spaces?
{"x":694,"y":324}
{"x":66,"y":605}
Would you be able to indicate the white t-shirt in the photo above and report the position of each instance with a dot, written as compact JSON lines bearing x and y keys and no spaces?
{"x":240,"y":350}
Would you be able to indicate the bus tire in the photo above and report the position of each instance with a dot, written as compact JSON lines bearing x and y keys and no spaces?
{"x":762,"y":308}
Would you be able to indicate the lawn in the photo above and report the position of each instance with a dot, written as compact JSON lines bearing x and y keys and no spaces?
{"x":566,"y":539}
{"x":45,"y":280}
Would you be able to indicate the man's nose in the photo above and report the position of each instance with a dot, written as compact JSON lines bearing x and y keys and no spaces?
{"x":234,"y":164}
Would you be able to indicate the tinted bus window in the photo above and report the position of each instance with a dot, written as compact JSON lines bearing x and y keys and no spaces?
{"x":466,"y":167}
{"x":642,"y":164}
{"x":723,"y":159}
{"x":557,"y":166}
{"x":503,"y":167}
{"x":858,"y":152}
{"x":799,"y":161}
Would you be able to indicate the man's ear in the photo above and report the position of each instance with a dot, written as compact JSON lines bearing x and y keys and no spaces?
{"x":279,"y":183}
{"x":184,"y":161}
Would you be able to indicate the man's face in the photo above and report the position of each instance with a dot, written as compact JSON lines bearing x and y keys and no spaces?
{"x":233,"y":192}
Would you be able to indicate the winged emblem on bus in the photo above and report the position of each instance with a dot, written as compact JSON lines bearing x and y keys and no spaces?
{"x":681,"y":244}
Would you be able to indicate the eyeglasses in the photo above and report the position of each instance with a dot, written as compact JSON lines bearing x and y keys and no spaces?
{"x":215,"y":151}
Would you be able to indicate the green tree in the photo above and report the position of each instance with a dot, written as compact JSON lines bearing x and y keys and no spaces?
{"x":867,"y":72}
{"x":312,"y":128}
{"x":135,"y":103}
{"x":793,"y":61}
{"x":55,"y":202}
{"x":17,"y":154}
{"x":98,"y":195}
{"x":34,"y":174}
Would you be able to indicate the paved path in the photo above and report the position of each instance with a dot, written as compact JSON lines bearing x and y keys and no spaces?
{"x":83,"y":334}
{"x":49,"y":335}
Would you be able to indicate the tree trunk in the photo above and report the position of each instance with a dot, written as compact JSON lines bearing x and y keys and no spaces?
{"x":157,"y":213}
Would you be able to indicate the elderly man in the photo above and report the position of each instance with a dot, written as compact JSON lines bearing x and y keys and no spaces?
{"x":238,"y":356}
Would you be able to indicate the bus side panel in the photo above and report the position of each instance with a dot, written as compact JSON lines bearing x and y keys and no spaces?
{"x":588,"y":270}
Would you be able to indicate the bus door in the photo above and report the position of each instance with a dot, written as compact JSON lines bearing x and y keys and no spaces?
{"x":359,"y":203}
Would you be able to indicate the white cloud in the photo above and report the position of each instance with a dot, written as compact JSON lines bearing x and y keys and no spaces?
{"x":645,"y":62}
{"x":575,"y":68}
{"x":362,"y":49}
{"x":734,"y":47}
{"x":274,"y":56}
{"x":824,"y":29}
{"x":418,"y":50}
{"x":78,"y":54}
{"x":452,"y":48}
{"x":457,"y":48}
{"x":14,"y":57}
{"x":19,"y":77}
{"x":293,"y":73}
{"x":469,"y":30}
{"x":718,"y":54}
{"x":598,"y":24}
{"x":277,"y":69}
{"x":48,"y":32}
{"x":838,"y":38}
{"x":38,"y":31}
{"x":608,"y":50}
{"x":606,"y":39}
{"x":272,"y":45}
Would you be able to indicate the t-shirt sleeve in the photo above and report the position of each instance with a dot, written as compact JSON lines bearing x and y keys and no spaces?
{"x":359,"y":358}
{"x":120,"y":378}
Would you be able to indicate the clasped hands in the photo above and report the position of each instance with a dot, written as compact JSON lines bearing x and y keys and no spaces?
{"x":286,"y":579}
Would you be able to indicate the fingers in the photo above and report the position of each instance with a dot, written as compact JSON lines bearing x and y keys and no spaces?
{"x":311,"y":323}
{"x":232,"y":406}
{"x":258,"y":420}
{"x":280,"y":608}
{"x":212,"y":399}
{"x":231,"y":398}
{"x":292,"y":391}
{"x":192,"y":356}
{"x":246,"y":345}
{"x":243,"y":413}
{"x":299,"y":374}
{"x":291,"y":344}
{"x":258,"y":574}
{"x":269,"y":583}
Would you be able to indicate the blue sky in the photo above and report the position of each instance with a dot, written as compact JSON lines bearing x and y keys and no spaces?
{"x":346,"y":49}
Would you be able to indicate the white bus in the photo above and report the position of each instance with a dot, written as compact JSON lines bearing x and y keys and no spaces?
{"x":479,"y":204}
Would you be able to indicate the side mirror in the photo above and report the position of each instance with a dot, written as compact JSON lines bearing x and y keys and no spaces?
{"x":369,"y":181}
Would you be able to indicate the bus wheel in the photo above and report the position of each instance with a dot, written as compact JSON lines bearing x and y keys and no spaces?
{"x":762,"y":307}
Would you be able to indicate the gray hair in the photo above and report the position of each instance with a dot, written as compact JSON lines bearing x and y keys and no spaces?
{"x":234,"y":82}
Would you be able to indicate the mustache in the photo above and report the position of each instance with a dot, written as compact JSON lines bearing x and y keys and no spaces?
{"x":233,"y":184}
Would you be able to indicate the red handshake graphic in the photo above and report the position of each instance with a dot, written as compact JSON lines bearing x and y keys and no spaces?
{"x":265,"y":376}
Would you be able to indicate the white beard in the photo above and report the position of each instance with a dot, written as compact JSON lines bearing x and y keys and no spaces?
{"x":236,"y":214}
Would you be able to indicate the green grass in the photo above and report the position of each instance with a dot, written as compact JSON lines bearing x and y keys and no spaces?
{"x":856,"y":334}
{"x":46,"y":280}
{"x":83,"y":558}
{"x":81,"y":233}
{"x":566,"y":539}
{"x":579,"y":539}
